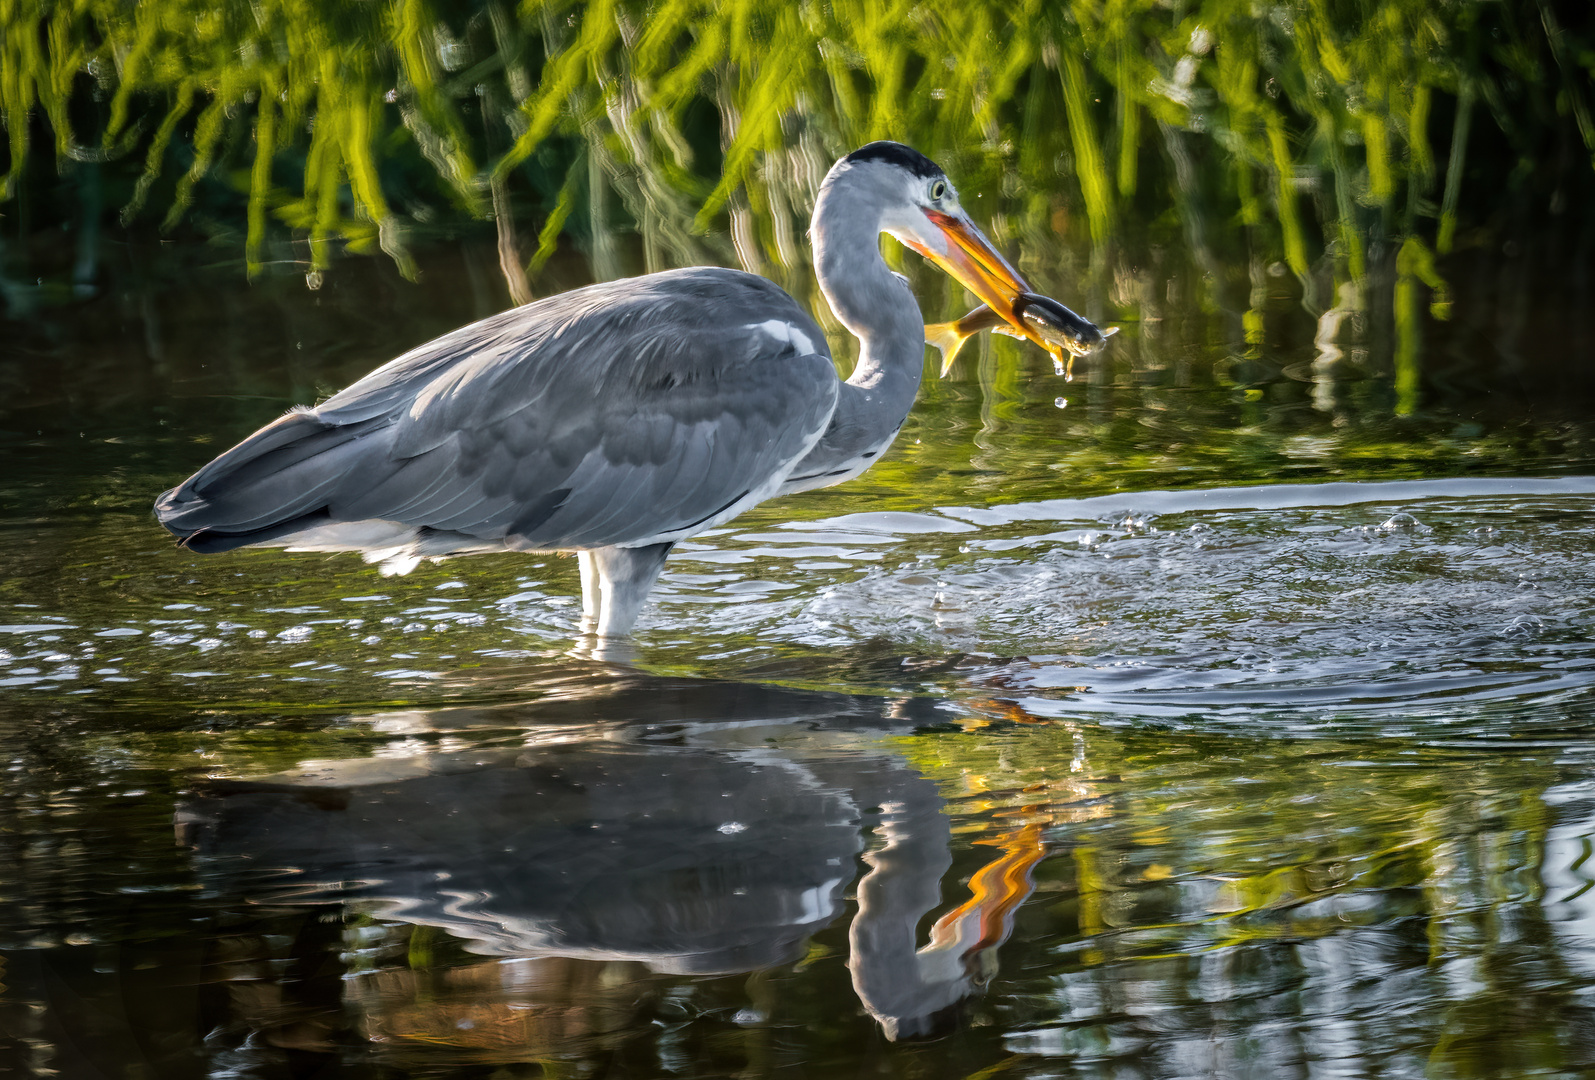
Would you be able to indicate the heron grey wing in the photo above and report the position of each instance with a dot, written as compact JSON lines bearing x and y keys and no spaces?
{"x":634,"y":502}
{"x":481,"y":431}
{"x":570,"y":471}
{"x":586,"y":430}
{"x":498,"y":365}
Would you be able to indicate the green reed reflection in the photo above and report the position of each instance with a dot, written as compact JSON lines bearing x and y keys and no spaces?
{"x":1160,"y":878}
{"x":1158,"y":874}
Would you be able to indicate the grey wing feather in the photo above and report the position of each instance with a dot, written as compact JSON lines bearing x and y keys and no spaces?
{"x":615,"y":414}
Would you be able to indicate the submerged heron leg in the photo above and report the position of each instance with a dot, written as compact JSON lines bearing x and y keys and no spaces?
{"x":624,"y":576}
{"x":591,"y":597}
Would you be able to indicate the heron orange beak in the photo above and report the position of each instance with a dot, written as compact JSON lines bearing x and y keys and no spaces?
{"x":974,"y":263}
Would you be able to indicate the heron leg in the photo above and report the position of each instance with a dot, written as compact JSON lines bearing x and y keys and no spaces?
{"x":624,"y":576}
{"x":591,"y":598}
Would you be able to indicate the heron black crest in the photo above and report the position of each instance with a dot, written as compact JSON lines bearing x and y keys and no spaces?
{"x":895,"y":153}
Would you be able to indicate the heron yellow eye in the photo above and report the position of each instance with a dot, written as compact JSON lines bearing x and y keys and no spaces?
{"x":937,"y":190}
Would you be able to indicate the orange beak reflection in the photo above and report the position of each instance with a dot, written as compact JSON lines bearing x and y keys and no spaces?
{"x":975,"y":264}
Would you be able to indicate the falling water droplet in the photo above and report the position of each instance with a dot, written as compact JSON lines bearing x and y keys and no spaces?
{"x":1060,"y":402}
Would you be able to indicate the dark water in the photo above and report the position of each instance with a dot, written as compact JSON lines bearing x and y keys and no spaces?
{"x":1198,"y":716}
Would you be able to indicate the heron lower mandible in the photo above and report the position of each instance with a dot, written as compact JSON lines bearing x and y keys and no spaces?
{"x":614,"y":420}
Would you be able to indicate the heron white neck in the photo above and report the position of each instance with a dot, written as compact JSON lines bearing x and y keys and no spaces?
{"x":877,"y":307}
{"x":871,"y":301}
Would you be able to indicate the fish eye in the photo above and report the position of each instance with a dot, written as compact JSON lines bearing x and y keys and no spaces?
{"x":937,"y":190}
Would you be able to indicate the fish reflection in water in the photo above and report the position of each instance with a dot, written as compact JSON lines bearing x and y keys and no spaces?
{"x":690,"y":850}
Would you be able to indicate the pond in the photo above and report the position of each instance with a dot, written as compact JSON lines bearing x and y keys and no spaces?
{"x":1227,"y":708}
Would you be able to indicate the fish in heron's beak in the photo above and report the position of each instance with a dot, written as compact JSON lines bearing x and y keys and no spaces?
{"x":974,"y":263}
{"x":1059,"y":329}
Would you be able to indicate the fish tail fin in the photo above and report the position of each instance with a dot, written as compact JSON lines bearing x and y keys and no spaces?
{"x":948,"y":339}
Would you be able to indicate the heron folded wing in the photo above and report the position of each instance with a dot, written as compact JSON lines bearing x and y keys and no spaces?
{"x":631,"y":471}
{"x":625,"y":413}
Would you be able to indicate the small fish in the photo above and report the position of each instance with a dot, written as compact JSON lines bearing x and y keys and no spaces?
{"x":1061,"y":329}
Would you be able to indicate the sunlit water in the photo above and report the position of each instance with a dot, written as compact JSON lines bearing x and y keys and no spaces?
{"x":1185,"y":729}
{"x":1401,"y":601}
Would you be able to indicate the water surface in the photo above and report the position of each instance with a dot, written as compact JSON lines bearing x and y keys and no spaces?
{"x":1137,"y":725}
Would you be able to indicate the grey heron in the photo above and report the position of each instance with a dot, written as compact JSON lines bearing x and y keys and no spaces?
{"x":613,"y":420}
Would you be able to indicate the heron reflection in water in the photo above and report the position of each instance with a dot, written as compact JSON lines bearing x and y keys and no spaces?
{"x":708,"y":853}
{"x":618,"y":419}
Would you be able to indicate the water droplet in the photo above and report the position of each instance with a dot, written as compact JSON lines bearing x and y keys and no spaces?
{"x":1402,"y":521}
{"x":1060,"y":403}
{"x":1524,"y":626}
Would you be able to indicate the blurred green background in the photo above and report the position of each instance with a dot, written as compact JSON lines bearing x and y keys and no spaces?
{"x":1414,"y":162}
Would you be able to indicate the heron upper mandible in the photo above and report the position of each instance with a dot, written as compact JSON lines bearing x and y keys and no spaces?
{"x":616,"y":419}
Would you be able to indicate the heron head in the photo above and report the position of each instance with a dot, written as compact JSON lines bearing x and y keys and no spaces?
{"x":919,"y":207}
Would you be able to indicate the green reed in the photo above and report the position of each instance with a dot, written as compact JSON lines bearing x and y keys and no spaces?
{"x":1313,"y":134}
